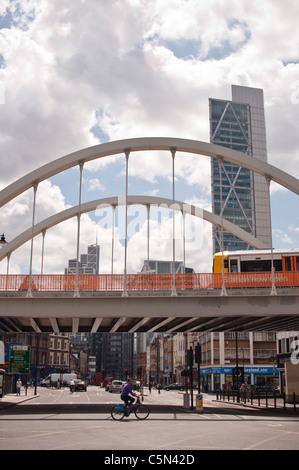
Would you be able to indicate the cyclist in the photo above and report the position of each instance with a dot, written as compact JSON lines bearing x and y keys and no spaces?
{"x":127,"y":394}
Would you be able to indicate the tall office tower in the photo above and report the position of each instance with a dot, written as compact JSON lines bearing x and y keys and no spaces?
{"x":88,"y":264}
{"x":118,"y":354}
{"x":240,"y":125}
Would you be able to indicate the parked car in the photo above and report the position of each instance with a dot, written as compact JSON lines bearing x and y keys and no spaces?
{"x":175,"y":386}
{"x":116,"y":386}
{"x":80,"y":385}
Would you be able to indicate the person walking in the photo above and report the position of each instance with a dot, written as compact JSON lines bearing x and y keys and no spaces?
{"x":18,"y":386}
{"x":245,"y":388}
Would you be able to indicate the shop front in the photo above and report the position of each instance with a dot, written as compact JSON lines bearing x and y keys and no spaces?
{"x":218,"y":378}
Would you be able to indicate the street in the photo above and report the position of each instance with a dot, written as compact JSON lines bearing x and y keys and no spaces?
{"x":59,"y":420}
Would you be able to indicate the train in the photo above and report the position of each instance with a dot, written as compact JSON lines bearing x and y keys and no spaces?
{"x":252,"y":261}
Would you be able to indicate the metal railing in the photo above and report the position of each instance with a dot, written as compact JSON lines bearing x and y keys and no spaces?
{"x":143,"y":282}
{"x":266,"y":399}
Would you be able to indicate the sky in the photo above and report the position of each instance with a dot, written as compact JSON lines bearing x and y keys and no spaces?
{"x":78,"y":73}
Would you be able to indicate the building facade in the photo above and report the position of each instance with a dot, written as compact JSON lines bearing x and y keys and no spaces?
{"x":252,"y":353}
{"x":239,"y":194}
{"x":59,"y":351}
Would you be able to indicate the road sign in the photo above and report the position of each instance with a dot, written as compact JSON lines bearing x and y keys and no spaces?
{"x":19,"y":359}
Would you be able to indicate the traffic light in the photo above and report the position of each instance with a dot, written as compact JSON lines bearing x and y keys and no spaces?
{"x":198,"y":354}
{"x":126,"y":372}
{"x":238,"y":376}
{"x":190,"y":357}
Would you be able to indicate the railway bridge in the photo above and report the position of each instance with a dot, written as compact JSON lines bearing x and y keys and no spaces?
{"x":144,"y":302}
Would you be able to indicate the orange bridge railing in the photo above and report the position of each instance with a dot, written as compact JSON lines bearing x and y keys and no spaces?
{"x":143,"y":282}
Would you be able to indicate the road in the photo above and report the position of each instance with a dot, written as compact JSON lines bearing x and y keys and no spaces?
{"x":58,"y":420}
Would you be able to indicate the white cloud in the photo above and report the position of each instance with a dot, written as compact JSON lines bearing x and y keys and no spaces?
{"x":94,"y":184}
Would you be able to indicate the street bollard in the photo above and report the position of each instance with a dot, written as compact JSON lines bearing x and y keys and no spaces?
{"x":186,"y":398}
{"x":199,"y":403}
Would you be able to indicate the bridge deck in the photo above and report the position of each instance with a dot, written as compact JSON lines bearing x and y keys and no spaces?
{"x":149,"y":311}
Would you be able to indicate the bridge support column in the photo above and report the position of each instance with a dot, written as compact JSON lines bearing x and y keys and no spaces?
{"x":148,"y":208}
{"x":29,"y":291}
{"x":43,"y":252}
{"x":112,"y":239}
{"x":223,"y":291}
{"x":77,"y":293}
{"x":125,"y":292}
{"x":174,"y":292}
{"x":273,"y":289}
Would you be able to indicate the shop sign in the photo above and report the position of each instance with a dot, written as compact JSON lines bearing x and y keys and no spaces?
{"x":229,"y":370}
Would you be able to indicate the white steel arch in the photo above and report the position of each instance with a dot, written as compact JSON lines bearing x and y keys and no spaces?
{"x":131,"y":200}
{"x":142,"y":144}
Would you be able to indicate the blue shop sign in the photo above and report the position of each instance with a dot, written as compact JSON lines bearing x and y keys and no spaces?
{"x":247,"y":370}
{"x":216,"y":370}
{"x":261,"y":370}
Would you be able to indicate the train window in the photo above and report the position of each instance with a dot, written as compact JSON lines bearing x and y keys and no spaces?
{"x":252,"y":266}
{"x":297,"y":263}
{"x":233,"y":265}
{"x":255,"y":265}
{"x":278,"y":265}
{"x":288,"y":264}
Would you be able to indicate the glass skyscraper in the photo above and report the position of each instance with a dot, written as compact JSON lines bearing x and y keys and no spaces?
{"x":240,"y":125}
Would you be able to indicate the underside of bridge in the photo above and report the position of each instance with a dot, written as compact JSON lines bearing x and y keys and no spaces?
{"x":163,"y":313}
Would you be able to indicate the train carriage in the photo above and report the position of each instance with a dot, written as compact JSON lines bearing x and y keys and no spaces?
{"x":252,"y":268}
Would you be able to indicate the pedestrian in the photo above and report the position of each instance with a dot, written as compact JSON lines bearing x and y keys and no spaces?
{"x":150,"y":387}
{"x":18,"y":386}
{"x":245,"y":390}
{"x":72,"y":386}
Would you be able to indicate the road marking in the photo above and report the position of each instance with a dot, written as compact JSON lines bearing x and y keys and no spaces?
{"x":50,"y":433}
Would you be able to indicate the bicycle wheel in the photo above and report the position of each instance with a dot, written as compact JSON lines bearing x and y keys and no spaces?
{"x":118,"y":412}
{"x":142,"y":411}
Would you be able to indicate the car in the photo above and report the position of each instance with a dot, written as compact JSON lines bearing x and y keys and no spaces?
{"x":80,"y":385}
{"x":116,"y":386}
{"x":175,"y":386}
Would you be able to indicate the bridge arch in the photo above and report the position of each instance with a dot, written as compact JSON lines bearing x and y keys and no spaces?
{"x":131,"y":200}
{"x":142,"y":144}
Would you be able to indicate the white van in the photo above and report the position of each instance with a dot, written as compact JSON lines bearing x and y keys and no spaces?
{"x":52,"y":379}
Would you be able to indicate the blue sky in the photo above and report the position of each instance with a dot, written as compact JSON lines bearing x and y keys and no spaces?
{"x":72,"y":77}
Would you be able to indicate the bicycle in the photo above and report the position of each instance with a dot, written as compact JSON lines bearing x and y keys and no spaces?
{"x":141,"y":411}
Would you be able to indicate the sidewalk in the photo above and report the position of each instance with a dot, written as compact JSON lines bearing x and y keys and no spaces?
{"x":13,"y":399}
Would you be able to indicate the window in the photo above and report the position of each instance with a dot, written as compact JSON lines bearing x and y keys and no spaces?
{"x":233,"y":266}
{"x":288,"y":263}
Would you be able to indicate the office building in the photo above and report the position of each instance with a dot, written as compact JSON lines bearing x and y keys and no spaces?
{"x":164,"y":267}
{"x":240,"y":125}
{"x":88,"y":263}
